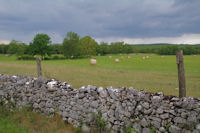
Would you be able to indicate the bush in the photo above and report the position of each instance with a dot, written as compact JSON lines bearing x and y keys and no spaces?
{"x":57,"y":57}
{"x":30,"y":57}
{"x":98,"y":124}
{"x":46,"y":58}
{"x":26,"y":57}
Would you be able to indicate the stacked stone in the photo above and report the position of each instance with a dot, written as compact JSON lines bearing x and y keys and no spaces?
{"x":120,"y":107}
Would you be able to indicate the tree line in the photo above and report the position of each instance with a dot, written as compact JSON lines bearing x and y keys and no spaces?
{"x":167,"y":49}
{"x":73,"y":46}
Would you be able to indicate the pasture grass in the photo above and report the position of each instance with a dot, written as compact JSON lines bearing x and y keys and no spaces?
{"x":26,"y":121}
{"x":156,"y":74}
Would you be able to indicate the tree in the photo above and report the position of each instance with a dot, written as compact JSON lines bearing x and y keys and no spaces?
{"x":103,"y":48}
{"x":56,"y":48}
{"x":88,"y":46}
{"x":71,"y":45}
{"x":21,"y":49}
{"x":16,"y":47}
{"x":168,"y":50}
{"x":127,"y":49}
{"x":40,"y":45}
{"x":4,"y":48}
{"x":12,"y":47}
{"x":116,"y":47}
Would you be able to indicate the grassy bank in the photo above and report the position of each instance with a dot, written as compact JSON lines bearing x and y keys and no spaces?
{"x":26,"y":121}
{"x":157,"y":74}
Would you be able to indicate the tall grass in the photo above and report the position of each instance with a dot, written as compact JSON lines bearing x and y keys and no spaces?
{"x":26,"y":121}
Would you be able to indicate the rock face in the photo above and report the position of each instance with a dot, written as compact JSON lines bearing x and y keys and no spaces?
{"x":120,"y":107}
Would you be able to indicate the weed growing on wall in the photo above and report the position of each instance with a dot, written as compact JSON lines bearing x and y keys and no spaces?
{"x":130,"y":130}
{"x":99,"y":125}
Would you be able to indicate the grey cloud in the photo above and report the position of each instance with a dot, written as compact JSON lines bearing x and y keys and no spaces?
{"x":184,"y":39}
{"x":22,"y":19}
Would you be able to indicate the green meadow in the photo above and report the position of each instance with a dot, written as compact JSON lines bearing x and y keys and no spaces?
{"x":156,"y":74}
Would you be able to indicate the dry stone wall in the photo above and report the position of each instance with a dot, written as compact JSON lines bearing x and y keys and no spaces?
{"x":120,"y":107}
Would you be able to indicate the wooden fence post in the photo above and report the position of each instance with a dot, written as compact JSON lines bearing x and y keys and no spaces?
{"x":39,"y":68}
{"x":181,"y":73}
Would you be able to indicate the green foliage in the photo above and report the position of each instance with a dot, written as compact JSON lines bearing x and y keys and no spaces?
{"x":103,"y":48}
{"x":56,"y":110}
{"x":99,"y":125}
{"x":30,"y":57}
{"x":130,"y":130}
{"x":21,"y":49}
{"x":71,"y":45}
{"x":57,"y":57}
{"x":79,"y":128}
{"x":4,"y":49}
{"x":152,"y":130}
{"x":27,"y":108}
{"x":40,"y":45}
{"x":120,"y":48}
{"x":56,"y":48}
{"x":25,"y":57}
{"x":12,"y":47}
{"x":127,"y":49}
{"x":88,"y":46}
{"x":75,"y":47}
{"x":166,"y":49}
{"x":116,"y":47}
{"x":16,"y":47}
{"x":167,"y":127}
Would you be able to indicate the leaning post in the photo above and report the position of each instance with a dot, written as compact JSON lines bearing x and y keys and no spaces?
{"x":181,"y":73}
{"x":39,"y":68}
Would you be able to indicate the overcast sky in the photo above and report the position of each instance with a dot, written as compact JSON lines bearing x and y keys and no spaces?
{"x":131,"y":21}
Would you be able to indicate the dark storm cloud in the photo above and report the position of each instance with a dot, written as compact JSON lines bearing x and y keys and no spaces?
{"x":21,"y":19}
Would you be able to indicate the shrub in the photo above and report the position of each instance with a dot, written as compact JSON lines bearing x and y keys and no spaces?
{"x":99,"y":125}
{"x":58,"y":57}
{"x":26,"y":57}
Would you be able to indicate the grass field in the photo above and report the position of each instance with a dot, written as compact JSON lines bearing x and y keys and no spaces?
{"x":155,"y":74}
{"x":25,"y":121}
